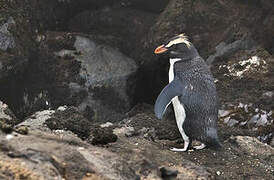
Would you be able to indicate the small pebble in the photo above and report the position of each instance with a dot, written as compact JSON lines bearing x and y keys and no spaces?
{"x":22,"y":130}
{"x":62,"y":108}
{"x":9,"y":136}
{"x":167,"y":173}
{"x":107,"y":124}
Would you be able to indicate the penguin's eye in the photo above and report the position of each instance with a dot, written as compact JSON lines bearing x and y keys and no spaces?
{"x":174,"y":46}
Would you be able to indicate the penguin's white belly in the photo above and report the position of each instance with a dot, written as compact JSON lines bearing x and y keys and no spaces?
{"x":171,"y":68}
{"x":180,"y":113}
{"x":179,"y":109}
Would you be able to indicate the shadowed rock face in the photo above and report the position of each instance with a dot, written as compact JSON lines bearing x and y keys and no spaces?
{"x":16,"y":43}
{"x":75,"y":70}
{"x":121,"y":27}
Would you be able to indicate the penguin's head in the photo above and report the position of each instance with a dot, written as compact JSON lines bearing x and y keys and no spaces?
{"x":178,"y":47}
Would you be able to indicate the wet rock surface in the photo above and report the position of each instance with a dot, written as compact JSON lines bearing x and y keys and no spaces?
{"x":76,"y":77}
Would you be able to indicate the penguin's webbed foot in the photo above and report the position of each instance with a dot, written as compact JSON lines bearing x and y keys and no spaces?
{"x":178,"y":149}
{"x":202,"y":146}
{"x":186,"y":145}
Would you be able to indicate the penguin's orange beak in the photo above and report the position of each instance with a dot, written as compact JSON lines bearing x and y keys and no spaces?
{"x":160,"y":49}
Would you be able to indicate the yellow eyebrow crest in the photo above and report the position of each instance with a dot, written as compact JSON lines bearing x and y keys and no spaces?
{"x":182,"y":38}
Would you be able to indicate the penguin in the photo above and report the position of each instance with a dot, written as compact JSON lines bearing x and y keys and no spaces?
{"x":192,"y":91}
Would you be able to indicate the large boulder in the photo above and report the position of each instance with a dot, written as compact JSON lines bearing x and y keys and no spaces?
{"x":97,"y":79}
{"x":58,"y":156}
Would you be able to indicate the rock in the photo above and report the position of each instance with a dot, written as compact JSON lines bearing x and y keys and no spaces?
{"x":253,"y":68}
{"x":152,"y":5}
{"x":106,"y":125}
{"x":268,"y":94}
{"x":223,"y":113}
{"x":37,"y":121}
{"x":6,"y":39}
{"x":253,"y":145}
{"x":130,"y":27}
{"x":262,"y":121}
{"x":167,"y":173}
{"x":96,"y":79}
{"x":22,"y":130}
{"x":223,"y":50}
{"x":16,"y":41}
{"x":251,"y":120}
{"x":69,"y":120}
{"x":266,"y":137}
{"x":148,"y":126}
{"x":21,"y":21}
{"x":43,"y":14}
{"x":103,"y":79}
{"x":209,"y":23}
{"x":232,"y":122}
{"x":101,"y":136}
{"x":52,"y":157}
{"x":126,"y":131}
{"x":82,"y":5}
{"x":218,"y":173}
{"x":146,"y":157}
{"x":272,"y":142}
{"x":58,"y":154}
{"x":7,"y":118}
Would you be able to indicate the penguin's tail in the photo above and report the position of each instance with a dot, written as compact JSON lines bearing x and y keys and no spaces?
{"x":212,"y":139}
{"x":214,"y":143}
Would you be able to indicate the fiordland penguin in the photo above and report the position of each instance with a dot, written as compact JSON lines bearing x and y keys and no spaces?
{"x":192,"y":91}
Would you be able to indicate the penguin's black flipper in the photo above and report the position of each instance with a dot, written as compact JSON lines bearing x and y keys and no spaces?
{"x":174,"y":88}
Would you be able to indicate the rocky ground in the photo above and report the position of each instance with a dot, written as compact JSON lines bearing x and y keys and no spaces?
{"x":52,"y":145}
{"x":78,"y":82}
